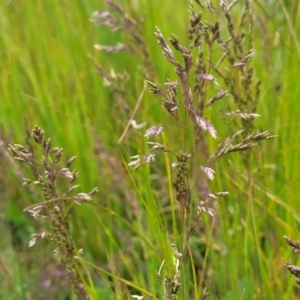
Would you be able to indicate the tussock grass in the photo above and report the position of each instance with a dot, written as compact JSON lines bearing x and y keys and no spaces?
{"x":48,"y":78}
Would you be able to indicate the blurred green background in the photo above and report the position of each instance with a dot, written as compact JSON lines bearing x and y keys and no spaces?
{"x":48,"y":79}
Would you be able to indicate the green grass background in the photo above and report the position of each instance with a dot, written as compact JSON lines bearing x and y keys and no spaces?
{"x":47,"y":79}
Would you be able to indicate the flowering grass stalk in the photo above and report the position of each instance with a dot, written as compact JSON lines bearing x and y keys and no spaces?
{"x":56,"y":208}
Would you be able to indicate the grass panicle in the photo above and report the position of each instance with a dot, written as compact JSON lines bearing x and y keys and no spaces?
{"x":184,"y":101}
{"x":56,"y":207}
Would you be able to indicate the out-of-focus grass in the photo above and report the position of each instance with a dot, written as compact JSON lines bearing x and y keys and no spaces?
{"x":48,"y":79}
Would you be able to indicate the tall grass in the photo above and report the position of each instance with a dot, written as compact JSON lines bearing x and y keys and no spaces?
{"x":48,"y":79}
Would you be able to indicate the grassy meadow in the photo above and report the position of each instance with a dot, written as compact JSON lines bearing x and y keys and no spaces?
{"x":97,"y":106}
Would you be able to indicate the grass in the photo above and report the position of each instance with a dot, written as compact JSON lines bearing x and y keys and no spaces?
{"x":48,"y":79}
